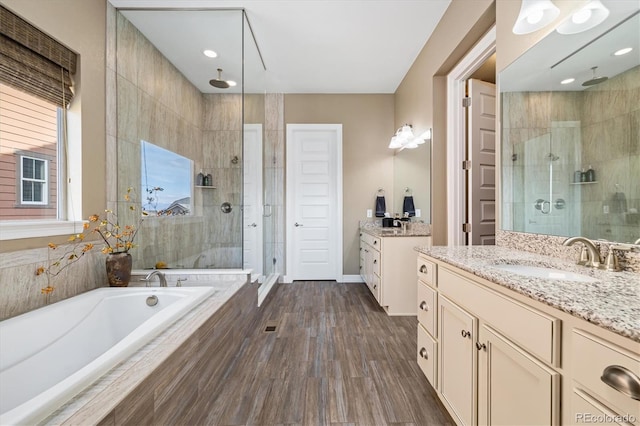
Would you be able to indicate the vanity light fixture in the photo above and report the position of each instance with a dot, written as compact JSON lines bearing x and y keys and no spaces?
{"x":402,"y":136}
{"x":623,"y":51}
{"x":209,"y":53}
{"x":568,"y":80}
{"x":534,"y":15}
{"x":591,"y":15}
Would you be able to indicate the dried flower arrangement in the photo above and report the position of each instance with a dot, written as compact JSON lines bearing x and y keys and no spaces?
{"x":117,"y":239}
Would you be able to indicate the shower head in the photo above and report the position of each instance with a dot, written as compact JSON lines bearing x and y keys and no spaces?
{"x":594,"y":80}
{"x":219,"y":82}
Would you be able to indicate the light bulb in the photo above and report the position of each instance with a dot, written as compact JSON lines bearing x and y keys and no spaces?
{"x":210,"y":53}
{"x":568,"y":80}
{"x":623,"y":51}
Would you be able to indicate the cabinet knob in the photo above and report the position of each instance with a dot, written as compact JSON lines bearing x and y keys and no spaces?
{"x":481,"y":346}
{"x":465,"y":333}
{"x":424,"y":354}
{"x":622,"y":380}
{"x":423,"y":269}
{"x":375,"y":261}
{"x":424,"y":306}
{"x":375,"y":286}
{"x":375,"y":242}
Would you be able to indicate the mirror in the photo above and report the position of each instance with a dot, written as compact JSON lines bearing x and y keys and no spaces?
{"x":412,"y":177}
{"x":165,"y":181}
{"x":571,"y":148}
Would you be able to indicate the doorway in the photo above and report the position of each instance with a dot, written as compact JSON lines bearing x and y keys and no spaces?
{"x":462,"y":200}
{"x":314,"y":202}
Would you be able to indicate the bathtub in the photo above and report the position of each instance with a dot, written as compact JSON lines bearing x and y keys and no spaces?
{"x":50,"y":354}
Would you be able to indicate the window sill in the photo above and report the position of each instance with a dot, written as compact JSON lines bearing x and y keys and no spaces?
{"x":16,"y":229}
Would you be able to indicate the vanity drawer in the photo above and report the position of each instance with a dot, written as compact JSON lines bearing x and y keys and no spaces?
{"x":427,"y":355}
{"x":371,"y":240}
{"x":427,"y":307}
{"x":533,"y":330}
{"x":375,"y":260}
{"x":426,"y":271}
{"x":590,"y":357}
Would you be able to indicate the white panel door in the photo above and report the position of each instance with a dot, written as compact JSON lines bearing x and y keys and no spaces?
{"x":481,"y":204}
{"x":314,"y":202}
{"x":252,"y":200}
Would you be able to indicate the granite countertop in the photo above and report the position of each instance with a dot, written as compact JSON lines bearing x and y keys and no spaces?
{"x":612,"y":302}
{"x":414,"y":230}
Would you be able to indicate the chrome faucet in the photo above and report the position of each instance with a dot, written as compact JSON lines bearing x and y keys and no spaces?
{"x":593,"y":259}
{"x":161,"y":277}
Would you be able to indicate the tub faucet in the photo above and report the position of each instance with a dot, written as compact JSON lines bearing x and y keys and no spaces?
{"x":593,"y":259}
{"x":161,"y":277}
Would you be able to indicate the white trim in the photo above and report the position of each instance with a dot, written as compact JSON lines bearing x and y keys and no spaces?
{"x":290,"y":172}
{"x":265,"y":288}
{"x":455,"y":132}
{"x":16,"y":229}
{"x":351,"y":279}
{"x":45,"y":182}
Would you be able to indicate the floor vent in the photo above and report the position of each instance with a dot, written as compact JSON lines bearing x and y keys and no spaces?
{"x":270,"y":327}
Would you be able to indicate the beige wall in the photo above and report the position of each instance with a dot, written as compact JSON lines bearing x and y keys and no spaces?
{"x":80,"y":25}
{"x":367,"y":126}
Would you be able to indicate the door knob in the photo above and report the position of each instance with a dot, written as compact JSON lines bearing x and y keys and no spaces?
{"x":298,"y":224}
{"x":253,"y":225}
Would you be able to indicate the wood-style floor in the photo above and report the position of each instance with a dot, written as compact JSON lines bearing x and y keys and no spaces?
{"x":335,"y":358}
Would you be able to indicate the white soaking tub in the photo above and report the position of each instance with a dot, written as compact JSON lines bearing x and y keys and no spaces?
{"x":49,"y":355}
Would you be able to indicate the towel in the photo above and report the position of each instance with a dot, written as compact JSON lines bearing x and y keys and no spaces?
{"x":408,"y":207}
{"x":380,"y":206}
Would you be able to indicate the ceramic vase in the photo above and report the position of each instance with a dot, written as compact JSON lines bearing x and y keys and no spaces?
{"x":119,"y":269}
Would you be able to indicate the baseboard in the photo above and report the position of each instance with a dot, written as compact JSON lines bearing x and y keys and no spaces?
{"x":352,"y":279}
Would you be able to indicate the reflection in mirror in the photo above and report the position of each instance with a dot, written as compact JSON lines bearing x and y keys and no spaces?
{"x":571,"y":137}
{"x":412,"y":177}
{"x":166,"y":181}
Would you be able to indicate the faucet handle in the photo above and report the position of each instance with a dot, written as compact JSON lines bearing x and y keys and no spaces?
{"x":180,"y":281}
{"x":584,"y":256}
{"x":611,"y":263}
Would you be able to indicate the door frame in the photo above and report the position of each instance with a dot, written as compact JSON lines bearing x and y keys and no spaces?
{"x":456,"y":132}
{"x":290,"y":207}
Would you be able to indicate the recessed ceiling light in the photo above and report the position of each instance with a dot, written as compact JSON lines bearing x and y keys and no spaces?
{"x":232,"y":83}
{"x":210,"y":53}
{"x":568,"y":80}
{"x":623,"y":51}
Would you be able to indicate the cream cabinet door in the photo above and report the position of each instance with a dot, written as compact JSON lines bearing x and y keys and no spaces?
{"x":458,"y":361}
{"x":513,"y":386}
{"x":585,"y":409}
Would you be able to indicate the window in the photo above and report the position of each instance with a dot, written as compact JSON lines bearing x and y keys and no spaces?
{"x":29,"y":134}
{"x":34,"y":181}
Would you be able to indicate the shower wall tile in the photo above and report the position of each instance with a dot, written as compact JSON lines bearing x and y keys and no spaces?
{"x":127,"y":49}
{"x":127,"y":103}
{"x":112,"y":103}
{"x":20,"y":287}
{"x":111,"y":37}
{"x":274,"y":111}
{"x":222,"y":112}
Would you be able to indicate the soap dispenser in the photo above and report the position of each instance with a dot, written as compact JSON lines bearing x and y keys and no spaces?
{"x":591,"y":174}
{"x":200,"y":179}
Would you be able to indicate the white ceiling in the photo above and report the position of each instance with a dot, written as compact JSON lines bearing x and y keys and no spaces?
{"x":308,"y":46}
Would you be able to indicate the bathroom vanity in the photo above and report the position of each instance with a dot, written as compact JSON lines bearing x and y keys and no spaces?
{"x":505,"y":347}
{"x":386,"y":265}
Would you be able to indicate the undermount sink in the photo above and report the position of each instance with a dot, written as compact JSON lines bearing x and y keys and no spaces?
{"x":544,"y":272}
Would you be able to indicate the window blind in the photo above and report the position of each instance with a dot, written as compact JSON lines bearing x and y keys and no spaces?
{"x":33,"y":62}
